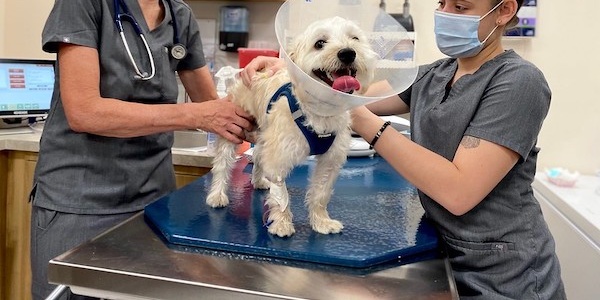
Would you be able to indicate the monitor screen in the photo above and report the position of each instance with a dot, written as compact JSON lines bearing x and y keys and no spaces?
{"x":26,"y":87}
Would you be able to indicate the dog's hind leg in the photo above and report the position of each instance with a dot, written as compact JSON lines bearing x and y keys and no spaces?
{"x":320,"y":191}
{"x":221,"y":171}
{"x":280,"y":216}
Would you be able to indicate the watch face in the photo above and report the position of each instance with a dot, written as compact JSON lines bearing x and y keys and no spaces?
{"x":178,"y":51}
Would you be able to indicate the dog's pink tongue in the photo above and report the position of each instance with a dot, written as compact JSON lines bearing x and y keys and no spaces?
{"x":346,"y":84}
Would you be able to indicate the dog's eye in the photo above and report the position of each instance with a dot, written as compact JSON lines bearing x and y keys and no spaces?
{"x":319,"y":44}
{"x":355,"y":38}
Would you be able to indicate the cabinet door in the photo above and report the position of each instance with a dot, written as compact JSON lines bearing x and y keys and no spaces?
{"x":17,"y":280}
{"x":3,"y":181}
{"x":187,"y":174}
{"x":578,"y":255}
{"x":240,"y":0}
{"x":16,"y":178}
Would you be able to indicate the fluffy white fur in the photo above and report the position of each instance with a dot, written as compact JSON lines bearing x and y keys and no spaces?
{"x":280,"y":143}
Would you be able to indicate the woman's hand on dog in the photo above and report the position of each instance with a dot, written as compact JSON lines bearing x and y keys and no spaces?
{"x":267,"y":64}
{"x":226,"y":119}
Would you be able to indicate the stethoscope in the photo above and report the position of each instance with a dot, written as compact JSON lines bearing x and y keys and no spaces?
{"x":178,"y":50}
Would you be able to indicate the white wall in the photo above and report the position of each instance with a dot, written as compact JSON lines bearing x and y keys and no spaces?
{"x":567,"y":51}
{"x":23,"y":24}
{"x":564,"y":49}
{"x":2,"y":25}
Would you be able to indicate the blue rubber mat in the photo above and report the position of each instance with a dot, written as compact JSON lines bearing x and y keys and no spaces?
{"x":382,"y":217}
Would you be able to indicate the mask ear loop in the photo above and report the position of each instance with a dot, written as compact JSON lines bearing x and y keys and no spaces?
{"x":488,"y":36}
{"x":497,"y":23}
{"x":491,"y":10}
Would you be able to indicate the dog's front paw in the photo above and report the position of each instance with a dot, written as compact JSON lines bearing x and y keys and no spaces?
{"x":262,"y":183}
{"x":282,"y":228}
{"x":327,"y":226}
{"x":280,"y":224}
{"x":217,"y":200}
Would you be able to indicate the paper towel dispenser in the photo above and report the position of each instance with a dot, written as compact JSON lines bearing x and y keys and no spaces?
{"x":233,"y":29}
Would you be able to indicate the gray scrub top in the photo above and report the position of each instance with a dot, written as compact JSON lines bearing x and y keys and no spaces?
{"x":90,"y":174}
{"x":502,"y":248}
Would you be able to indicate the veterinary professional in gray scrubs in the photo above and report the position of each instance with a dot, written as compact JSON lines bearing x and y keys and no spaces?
{"x":105,"y":151}
{"x":475,"y":118}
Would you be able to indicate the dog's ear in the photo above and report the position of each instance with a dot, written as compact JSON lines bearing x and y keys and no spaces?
{"x":293,"y":51}
{"x":292,"y":54}
{"x":295,"y":47}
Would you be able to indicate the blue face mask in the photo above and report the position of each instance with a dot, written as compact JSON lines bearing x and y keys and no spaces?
{"x":458,"y":35}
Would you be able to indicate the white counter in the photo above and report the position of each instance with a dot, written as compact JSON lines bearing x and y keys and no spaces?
{"x":30,"y":142}
{"x":580,"y":204}
{"x":573,"y":216}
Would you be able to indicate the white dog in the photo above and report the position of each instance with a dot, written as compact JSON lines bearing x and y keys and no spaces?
{"x":336,"y":52}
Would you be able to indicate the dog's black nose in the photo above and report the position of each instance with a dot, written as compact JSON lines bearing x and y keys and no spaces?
{"x":347,"y":55}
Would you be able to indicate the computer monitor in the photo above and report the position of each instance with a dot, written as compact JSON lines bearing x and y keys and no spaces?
{"x":26,"y":87}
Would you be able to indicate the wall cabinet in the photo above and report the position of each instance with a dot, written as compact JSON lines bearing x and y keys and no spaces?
{"x":16,"y":177}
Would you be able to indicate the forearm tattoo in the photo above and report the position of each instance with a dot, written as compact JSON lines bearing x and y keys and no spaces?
{"x":470,"y":142}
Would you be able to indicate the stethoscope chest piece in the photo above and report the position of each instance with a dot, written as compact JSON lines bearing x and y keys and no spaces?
{"x":178,"y":51}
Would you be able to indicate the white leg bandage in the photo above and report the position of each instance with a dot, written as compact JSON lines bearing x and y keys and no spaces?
{"x":279,"y":193}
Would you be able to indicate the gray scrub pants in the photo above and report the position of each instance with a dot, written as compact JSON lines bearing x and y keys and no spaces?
{"x":53,"y":233}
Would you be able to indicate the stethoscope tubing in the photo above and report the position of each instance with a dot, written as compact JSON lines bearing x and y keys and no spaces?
{"x":141,"y":75}
{"x":175,"y":28}
{"x":127,"y":16}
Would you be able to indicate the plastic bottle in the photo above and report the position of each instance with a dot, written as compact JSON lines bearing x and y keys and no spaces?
{"x":225,"y":76}
{"x":211,"y":142}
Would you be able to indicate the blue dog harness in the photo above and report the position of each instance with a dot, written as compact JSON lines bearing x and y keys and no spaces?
{"x":318,"y":143}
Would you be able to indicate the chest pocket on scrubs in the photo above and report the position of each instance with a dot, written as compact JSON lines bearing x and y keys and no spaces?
{"x":168,"y":67}
{"x":162,"y":88}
